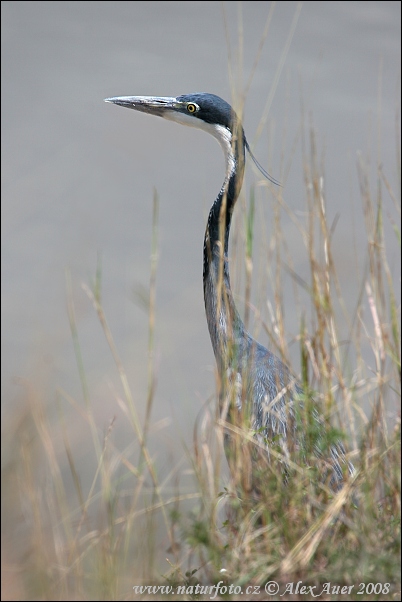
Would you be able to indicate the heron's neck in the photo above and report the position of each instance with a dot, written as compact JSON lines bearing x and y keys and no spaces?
{"x":224,"y":323}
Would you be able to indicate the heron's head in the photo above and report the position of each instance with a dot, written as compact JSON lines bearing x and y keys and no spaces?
{"x":200,"y":110}
{"x":189,"y":109}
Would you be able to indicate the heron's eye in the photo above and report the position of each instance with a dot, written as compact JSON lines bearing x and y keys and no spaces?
{"x":192,"y":108}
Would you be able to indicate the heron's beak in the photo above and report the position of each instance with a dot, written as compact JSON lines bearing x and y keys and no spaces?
{"x":154,"y":105}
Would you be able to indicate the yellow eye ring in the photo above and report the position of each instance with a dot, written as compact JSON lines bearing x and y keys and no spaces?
{"x":191,"y":107}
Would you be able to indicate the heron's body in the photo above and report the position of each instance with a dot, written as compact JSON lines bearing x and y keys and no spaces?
{"x":257,"y":389}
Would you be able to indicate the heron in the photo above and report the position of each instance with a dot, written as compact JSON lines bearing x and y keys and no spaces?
{"x":257,"y":389}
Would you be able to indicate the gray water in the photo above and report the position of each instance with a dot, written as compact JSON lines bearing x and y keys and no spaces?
{"x":78,"y":177}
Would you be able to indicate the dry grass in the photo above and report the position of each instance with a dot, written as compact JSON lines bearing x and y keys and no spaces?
{"x":86,"y":549}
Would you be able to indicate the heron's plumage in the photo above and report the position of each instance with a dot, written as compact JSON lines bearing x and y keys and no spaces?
{"x":255,"y":384}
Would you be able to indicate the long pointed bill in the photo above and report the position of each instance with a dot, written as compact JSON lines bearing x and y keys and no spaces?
{"x":154,"y":105}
